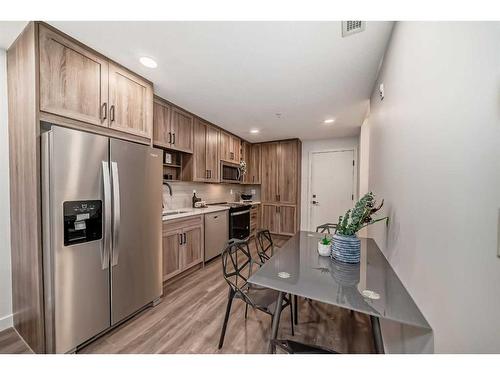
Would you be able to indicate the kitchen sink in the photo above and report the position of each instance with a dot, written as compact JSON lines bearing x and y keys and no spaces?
{"x":174,"y":213}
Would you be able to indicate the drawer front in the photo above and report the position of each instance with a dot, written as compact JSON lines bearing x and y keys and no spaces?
{"x":171,"y":225}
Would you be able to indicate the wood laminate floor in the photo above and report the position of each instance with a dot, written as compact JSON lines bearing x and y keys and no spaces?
{"x":189,"y":320}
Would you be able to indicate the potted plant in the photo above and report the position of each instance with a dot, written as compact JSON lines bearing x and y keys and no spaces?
{"x":325,"y":246}
{"x":346,"y":246}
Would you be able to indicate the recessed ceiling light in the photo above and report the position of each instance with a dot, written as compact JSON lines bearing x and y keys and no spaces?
{"x":148,"y":62}
{"x":254,"y":131}
{"x":329,"y":121}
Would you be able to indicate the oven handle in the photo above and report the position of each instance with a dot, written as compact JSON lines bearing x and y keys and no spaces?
{"x":240,"y":213}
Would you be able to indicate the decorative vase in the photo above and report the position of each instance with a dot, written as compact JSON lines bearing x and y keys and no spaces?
{"x":346,"y":249}
{"x":324,"y":250}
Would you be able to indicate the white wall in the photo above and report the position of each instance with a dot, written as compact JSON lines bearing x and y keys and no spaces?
{"x":435,"y":158}
{"x":319,"y":145}
{"x":5,"y":276}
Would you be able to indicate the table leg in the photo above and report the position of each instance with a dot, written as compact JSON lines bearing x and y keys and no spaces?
{"x":276,"y":321}
{"x":377,"y":335}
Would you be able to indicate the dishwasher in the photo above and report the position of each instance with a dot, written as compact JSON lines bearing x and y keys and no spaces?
{"x":216,"y":233}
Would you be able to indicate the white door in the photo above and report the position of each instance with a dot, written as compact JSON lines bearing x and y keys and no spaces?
{"x":331,"y":191}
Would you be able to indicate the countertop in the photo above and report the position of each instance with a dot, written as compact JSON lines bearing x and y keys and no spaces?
{"x":189,"y":211}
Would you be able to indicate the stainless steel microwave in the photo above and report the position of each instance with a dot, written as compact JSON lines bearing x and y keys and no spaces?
{"x":230,"y":172}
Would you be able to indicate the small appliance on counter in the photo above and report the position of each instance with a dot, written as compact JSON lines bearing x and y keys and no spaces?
{"x":200,"y":204}
{"x":246,"y":197}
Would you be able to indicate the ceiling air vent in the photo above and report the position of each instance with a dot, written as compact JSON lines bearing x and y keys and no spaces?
{"x":352,"y":27}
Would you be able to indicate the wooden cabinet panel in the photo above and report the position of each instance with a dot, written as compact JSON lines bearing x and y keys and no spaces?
{"x":235,"y":149}
{"x":254,"y":219}
{"x":287,"y":220}
{"x":131,"y":102}
{"x":73,"y":80}
{"x":171,"y":255}
{"x":270,"y":164}
{"x":225,"y":146}
{"x":270,"y":218}
{"x":288,"y":172}
{"x":212,"y":164}
{"x":192,"y":251}
{"x":200,"y":170}
{"x":161,"y":124}
{"x":255,"y":164}
{"x":181,"y":124}
{"x":246,"y":155}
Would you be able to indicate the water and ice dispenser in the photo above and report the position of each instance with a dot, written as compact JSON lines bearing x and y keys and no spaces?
{"x":82,"y":221}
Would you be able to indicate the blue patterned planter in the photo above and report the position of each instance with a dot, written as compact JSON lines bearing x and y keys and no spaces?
{"x":346,"y":249}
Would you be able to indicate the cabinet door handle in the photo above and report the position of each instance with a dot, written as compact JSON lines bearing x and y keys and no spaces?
{"x":169,"y":137}
{"x":112,"y":113}
{"x":104,"y":111}
{"x":185,"y":240}
{"x":209,"y":173}
{"x":279,"y":197}
{"x":173,"y":135}
{"x":180,"y":238}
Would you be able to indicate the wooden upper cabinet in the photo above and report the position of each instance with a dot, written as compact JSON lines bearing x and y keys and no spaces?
{"x":130,"y":102}
{"x":73,"y":80}
{"x":80,"y":84}
{"x":181,"y":125}
{"x":235,"y":146}
{"x":288,"y":172}
{"x":200,"y":171}
{"x":212,"y":163}
{"x":229,"y":147}
{"x":161,"y":123}
{"x":270,"y":164}
{"x":225,"y":146}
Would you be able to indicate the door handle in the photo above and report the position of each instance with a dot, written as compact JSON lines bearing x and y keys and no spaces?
{"x":184,"y":234}
{"x":112,"y":113}
{"x":169,"y":137}
{"x":104,"y":111}
{"x":107,"y":216}
{"x":173,"y":137}
{"x":116,"y":212}
{"x":315,"y":202}
{"x":180,"y":238}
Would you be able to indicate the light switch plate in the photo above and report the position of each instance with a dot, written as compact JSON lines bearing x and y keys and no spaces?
{"x":252,"y":191}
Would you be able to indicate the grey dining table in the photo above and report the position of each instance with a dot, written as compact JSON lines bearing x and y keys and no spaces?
{"x":370,"y":287}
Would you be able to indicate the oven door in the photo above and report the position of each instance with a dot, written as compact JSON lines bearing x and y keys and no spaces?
{"x":239,"y":224}
{"x":230,"y":172}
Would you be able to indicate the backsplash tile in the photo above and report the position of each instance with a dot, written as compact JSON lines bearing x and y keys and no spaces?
{"x":182,"y":193}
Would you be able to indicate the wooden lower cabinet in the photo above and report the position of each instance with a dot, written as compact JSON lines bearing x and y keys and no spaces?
{"x":171,"y":255}
{"x":183,"y":245}
{"x":279,"y":219}
{"x":254,"y":219}
{"x":192,"y":253}
{"x":287,"y":220}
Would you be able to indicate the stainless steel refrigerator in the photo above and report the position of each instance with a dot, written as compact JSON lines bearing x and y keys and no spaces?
{"x":101,"y":209}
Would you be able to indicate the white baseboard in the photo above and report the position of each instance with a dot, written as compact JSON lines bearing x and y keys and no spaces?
{"x":6,"y":322}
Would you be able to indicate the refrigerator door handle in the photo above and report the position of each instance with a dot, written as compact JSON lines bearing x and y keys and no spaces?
{"x":116,"y":211}
{"x":106,"y":246}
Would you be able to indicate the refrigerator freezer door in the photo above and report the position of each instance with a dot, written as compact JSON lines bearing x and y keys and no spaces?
{"x":76,"y":275}
{"x":137,"y":204}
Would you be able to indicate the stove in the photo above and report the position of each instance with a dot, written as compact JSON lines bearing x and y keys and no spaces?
{"x":239,"y":219}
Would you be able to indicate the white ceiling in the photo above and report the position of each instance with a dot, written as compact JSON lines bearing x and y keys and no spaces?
{"x":239,"y":75}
